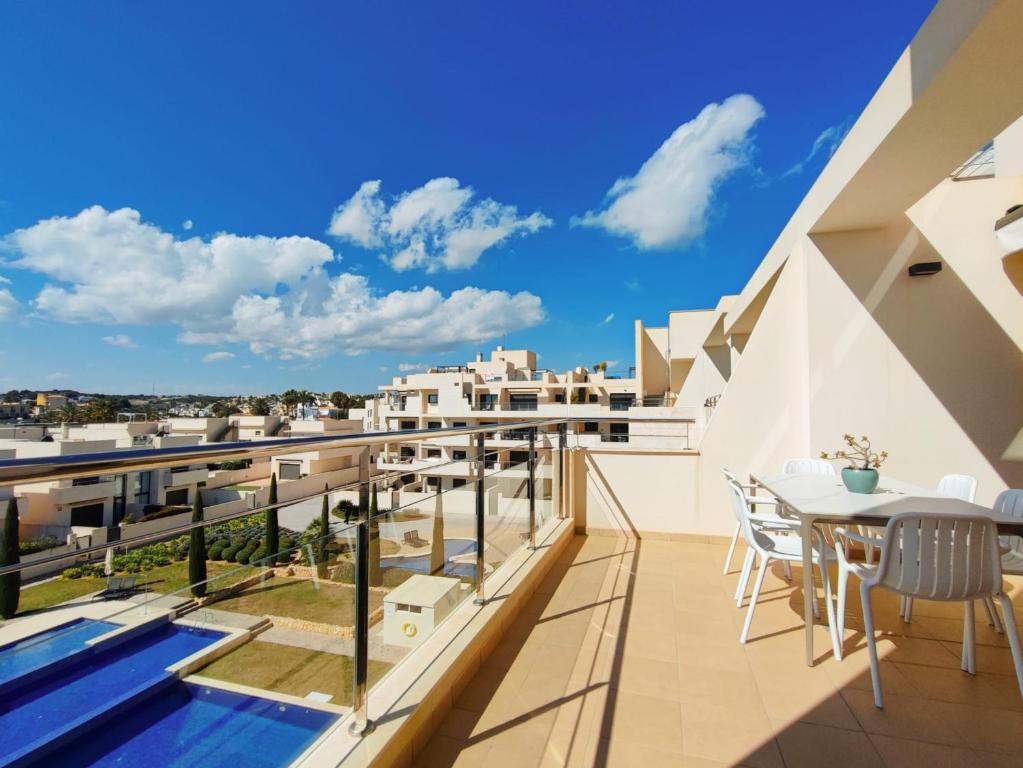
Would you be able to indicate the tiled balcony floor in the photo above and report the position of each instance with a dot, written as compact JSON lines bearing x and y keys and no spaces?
{"x":628,"y":654}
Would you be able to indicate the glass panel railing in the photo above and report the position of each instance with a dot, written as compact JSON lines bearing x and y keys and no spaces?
{"x":506,"y":507}
{"x":424,"y":564}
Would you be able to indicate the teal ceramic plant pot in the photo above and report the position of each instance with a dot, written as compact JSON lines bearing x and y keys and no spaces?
{"x":860,"y":480}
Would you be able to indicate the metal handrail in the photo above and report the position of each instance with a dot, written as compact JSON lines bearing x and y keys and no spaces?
{"x":45,"y":469}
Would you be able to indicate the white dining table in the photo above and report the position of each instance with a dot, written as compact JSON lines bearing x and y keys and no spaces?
{"x":823,"y":499}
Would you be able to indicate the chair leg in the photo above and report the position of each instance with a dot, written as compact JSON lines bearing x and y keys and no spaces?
{"x":787,"y":569}
{"x":907,"y":609}
{"x":969,"y":659}
{"x":1012,"y":635}
{"x":868,"y":630}
{"x":747,"y":566}
{"x":992,"y":614}
{"x":764,"y":563}
{"x":843,"y":583}
{"x":836,"y":640}
{"x":731,"y":548}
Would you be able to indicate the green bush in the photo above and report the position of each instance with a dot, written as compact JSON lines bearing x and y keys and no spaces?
{"x":38,"y":545}
{"x":392,"y":577}
{"x":74,"y":572}
{"x":216,"y":551}
{"x":344,"y":572}
{"x":258,"y":554}
{"x":231,"y":552}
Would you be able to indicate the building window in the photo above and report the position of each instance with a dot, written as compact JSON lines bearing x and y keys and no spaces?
{"x":457,"y":482}
{"x":458,"y":424}
{"x":559,"y":397}
{"x":408,"y":425}
{"x":433,"y":453}
{"x":290,"y":471}
{"x":518,"y":457}
{"x":487,"y":402}
{"x":88,"y":515}
{"x":590,"y":426}
{"x":406,"y":608}
{"x":594,"y":398}
{"x":433,"y":483}
{"x":432,"y":399}
{"x":176,"y":498}
{"x":433,"y":425}
{"x":458,"y":455}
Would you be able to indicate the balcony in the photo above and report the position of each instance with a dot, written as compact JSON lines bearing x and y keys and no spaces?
{"x":185,"y":476}
{"x":627,"y":654}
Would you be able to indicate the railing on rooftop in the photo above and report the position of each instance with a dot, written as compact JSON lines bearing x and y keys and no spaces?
{"x":461,"y":530}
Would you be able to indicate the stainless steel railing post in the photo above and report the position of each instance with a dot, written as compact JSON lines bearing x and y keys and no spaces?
{"x":480,"y":505}
{"x":361,"y":724}
{"x":562,"y":451}
{"x":532,"y":488}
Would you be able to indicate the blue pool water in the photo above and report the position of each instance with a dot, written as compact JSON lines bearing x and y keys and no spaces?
{"x":38,"y":650}
{"x":90,"y":686}
{"x":421,"y":563}
{"x":190,"y":725}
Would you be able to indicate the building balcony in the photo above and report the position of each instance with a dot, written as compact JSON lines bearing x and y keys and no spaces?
{"x":186,"y":476}
{"x":73,"y":494}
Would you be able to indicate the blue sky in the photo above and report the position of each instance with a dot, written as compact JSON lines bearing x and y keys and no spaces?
{"x":189,"y":196}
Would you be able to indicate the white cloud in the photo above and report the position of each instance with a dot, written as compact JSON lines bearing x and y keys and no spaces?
{"x":8,"y":305}
{"x":273,"y":294}
{"x":186,"y":224}
{"x":56,"y":376}
{"x":120,"y":340}
{"x":436,"y":226}
{"x":827,"y":141}
{"x":609,"y":318}
{"x":383,"y":369}
{"x":216,"y":357}
{"x":407,"y":367}
{"x":665,"y":204}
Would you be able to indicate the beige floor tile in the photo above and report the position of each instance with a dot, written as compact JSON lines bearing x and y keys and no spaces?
{"x":643,"y":719}
{"x":907,"y":717}
{"x":804,"y":745}
{"x":445,"y":752}
{"x":793,"y":704}
{"x":904,"y":753}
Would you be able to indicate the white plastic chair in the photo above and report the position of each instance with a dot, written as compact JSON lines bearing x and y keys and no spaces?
{"x":807,"y":467}
{"x":937,"y":557}
{"x":764,"y":536}
{"x":1010,"y":503}
{"x":749,"y":561}
{"x":955,"y":487}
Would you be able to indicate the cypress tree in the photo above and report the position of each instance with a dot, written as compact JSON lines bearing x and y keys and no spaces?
{"x":273,"y":533}
{"x":10,"y":583}
{"x":321,"y":555}
{"x":376,"y":578}
{"x":197,"y":550}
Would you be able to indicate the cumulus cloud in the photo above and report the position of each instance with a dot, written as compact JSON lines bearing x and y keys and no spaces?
{"x":120,"y":340}
{"x":186,"y":224}
{"x":436,"y":226}
{"x":665,"y":204}
{"x":609,"y":318}
{"x":273,"y":294}
{"x":216,"y":357}
{"x":826,"y":143}
{"x":8,"y":305}
{"x":407,"y":367}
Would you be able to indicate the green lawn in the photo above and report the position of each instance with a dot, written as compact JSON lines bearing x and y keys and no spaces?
{"x":299,"y":599}
{"x":165,"y":579}
{"x":295,"y":671}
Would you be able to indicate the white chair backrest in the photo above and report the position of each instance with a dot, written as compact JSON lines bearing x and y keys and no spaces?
{"x":940,"y":557}
{"x":807,"y":467}
{"x":740,"y":508}
{"x":1010,"y":503}
{"x":958,"y":487}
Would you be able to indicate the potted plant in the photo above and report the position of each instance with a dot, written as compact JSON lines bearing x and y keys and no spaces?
{"x":861,"y":474}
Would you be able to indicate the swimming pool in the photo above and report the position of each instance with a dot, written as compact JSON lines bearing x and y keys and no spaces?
{"x":189,"y":725}
{"x":421,"y":563}
{"x":66,"y":700}
{"x":37,"y":651}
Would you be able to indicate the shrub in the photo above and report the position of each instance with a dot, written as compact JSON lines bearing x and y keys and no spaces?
{"x":258,"y":554}
{"x":231,"y":552}
{"x":156,"y":511}
{"x":216,"y":551}
{"x":74,"y":572}
{"x":38,"y":545}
